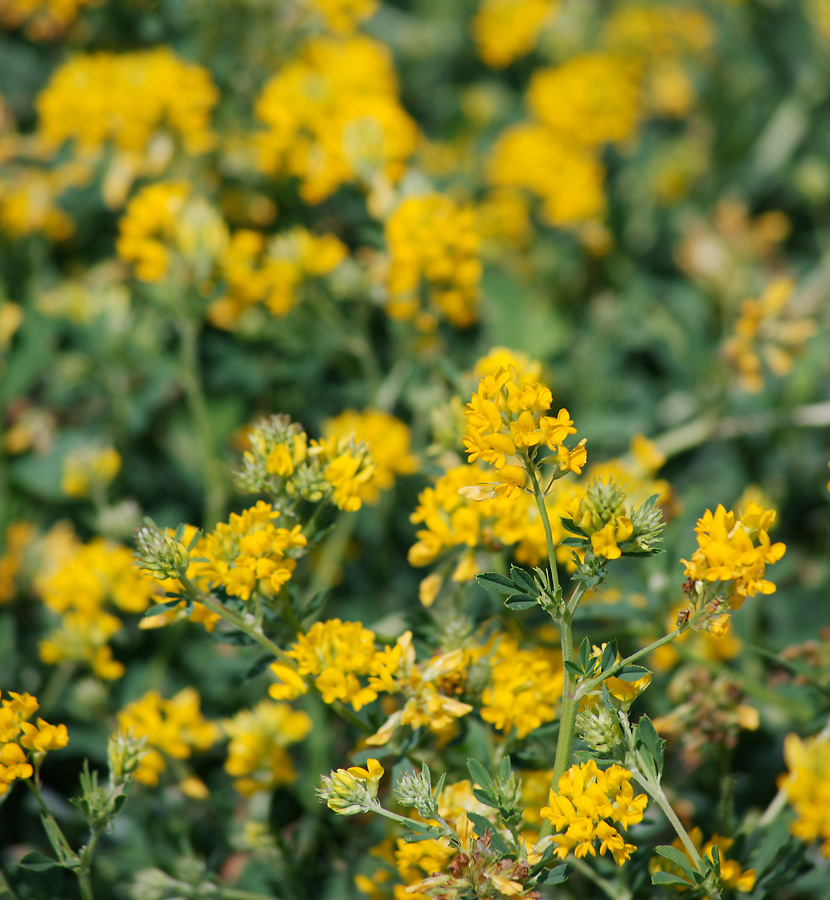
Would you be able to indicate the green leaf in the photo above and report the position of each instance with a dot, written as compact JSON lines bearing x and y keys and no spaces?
{"x":479,"y":774}
{"x":668,"y":878}
{"x":521,"y":601}
{"x":632,"y":673}
{"x":609,"y":656}
{"x":570,"y":525}
{"x":482,"y":826}
{"x":647,"y":740}
{"x":573,"y":542}
{"x":414,"y":838}
{"x":485,"y":797}
{"x":574,"y":668}
{"x":38,"y":862}
{"x":556,"y":875}
{"x":585,"y":654}
{"x":161,"y":608}
{"x":673,"y":855}
{"x":524,"y":581}
{"x":492,"y":581}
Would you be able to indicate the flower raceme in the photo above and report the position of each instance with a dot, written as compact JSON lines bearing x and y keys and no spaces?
{"x":508,"y":417}
{"x":353,"y":790}
{"x":20,"y":739}
{"x":807,"y":786}
{"x":587,"y":799}
{"x":733,"y":552}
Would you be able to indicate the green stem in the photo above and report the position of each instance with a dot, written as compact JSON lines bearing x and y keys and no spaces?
{"x":567,"y":716}
{"x":595,"y":682}
{"x":212,"y":467}
{"x":653,"y":787}
{"x":543,"y":513}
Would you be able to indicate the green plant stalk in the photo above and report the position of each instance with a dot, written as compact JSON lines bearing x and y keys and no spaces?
{"x":567,"y":716}
{"x":563,"y":620}
{"x":212,"y":468}
{"x":543,"y":512}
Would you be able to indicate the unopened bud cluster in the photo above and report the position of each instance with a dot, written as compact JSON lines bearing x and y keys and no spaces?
{"x":414,"y":790}
{"x":160,"y":552}
{"x":613,"y":528}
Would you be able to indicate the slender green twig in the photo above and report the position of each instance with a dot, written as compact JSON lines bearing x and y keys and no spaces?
{"x":589,"y":686}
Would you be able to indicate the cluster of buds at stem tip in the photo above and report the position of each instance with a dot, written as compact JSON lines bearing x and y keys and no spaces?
{"x":160,"y":552}
{"x":415,"y":790}
{"x":613,"y":529}
{"x":351,"y":791}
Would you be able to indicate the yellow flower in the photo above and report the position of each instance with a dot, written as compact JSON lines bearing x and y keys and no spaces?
{"x":332,"y":117}
{"x":434,"y":242}
{"x":257,"y":758}
{"x":353,"y":790}
{"x":174,"y":727}
{"x":734,"y":552}
{"x":807,"y":786}
{"x":89,"y":470}
{"x":19,"y":738}
{"x":388,"y":440}
{"x":506,"y":29}
{"x":587,"y":797}
{"x":128,"y":99}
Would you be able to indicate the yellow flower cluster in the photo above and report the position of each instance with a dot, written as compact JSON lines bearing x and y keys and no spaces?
{"x":20,"y":739}
{"x":395,"y":671}
{"x":349,"y":791}
{"x":586,"y":799}
{"x":577,"y":106}
{"x":165,"y":231}
{"x":450,"y":521}
{"x":335,"y":654}
{"x":389,"y":442}
{"x":507,"y":418}
{"x":734,"y":552}
{"x":88,"y":471}
{"x":19,"y":536}
{"x":87,"y":581}
{"x":807,"y":786}
{"x":731,"y":874}
{"x":656,"y":38}
{"x":566,"y":178}
{"x":29,"y":200}
{"x":766,"y":333}
{"x":42,"y":20}
{"x":257,"y":758}
{"x":256,"y":270}
{"x":333,"y":117}
{"x":525,"y":688}
{"x":249,"y":553}
{"x":343,"y":16}
{"x":591,"y":99}
{"x":130,"y":100}
{"x":506,"y":29}
{"x":602,"y":515}
{"x":283,"y":463}
{"x":174,"y":727}
{"x":431,"y":239}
